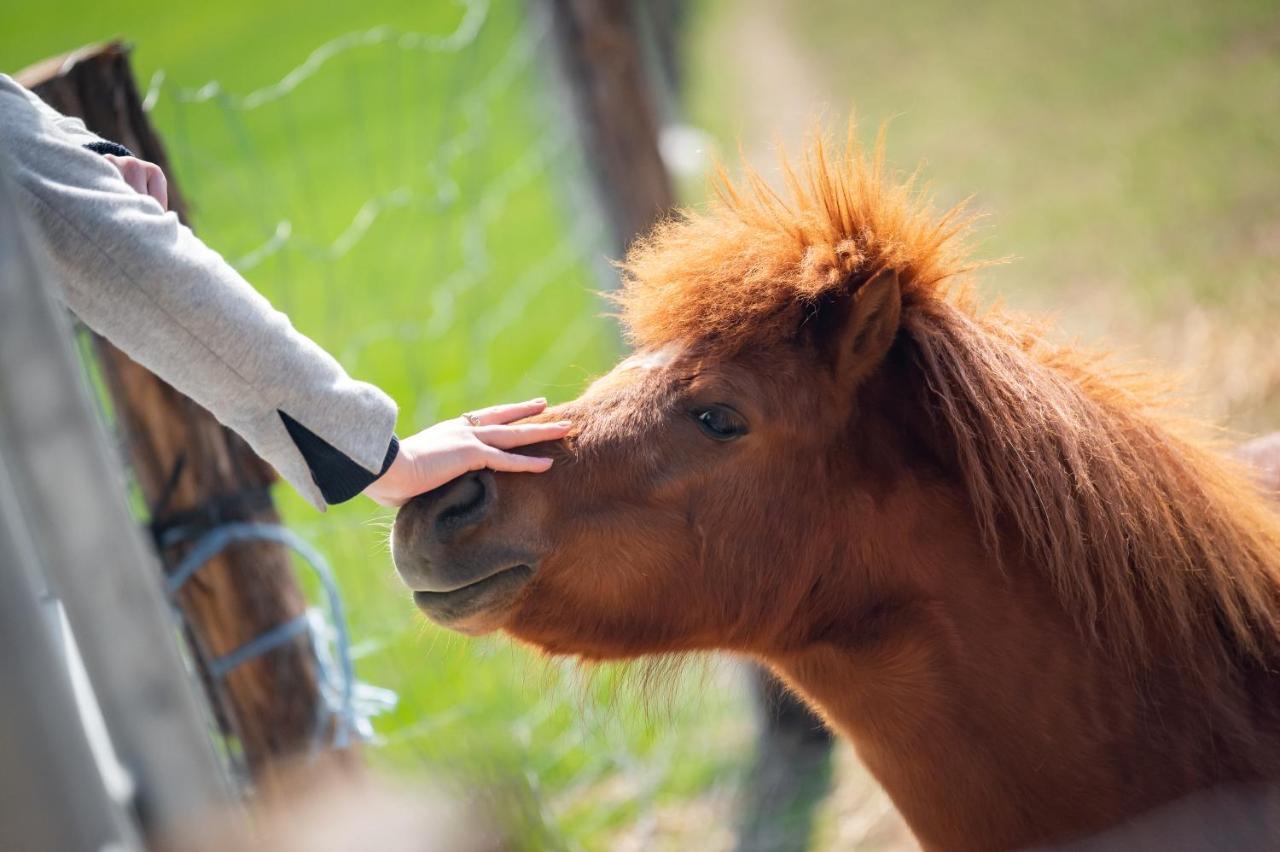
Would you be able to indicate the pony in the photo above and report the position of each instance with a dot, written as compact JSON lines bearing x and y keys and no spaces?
{"x":1036,"y":599}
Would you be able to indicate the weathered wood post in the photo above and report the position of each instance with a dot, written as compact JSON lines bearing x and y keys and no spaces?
{"x":194,"y":473}
{"x":65,"y":529}
{"x":601,"y":63}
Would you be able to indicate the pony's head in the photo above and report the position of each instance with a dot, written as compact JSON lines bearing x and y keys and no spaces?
{"x":814,"y":393}
{"x":718,"y":473}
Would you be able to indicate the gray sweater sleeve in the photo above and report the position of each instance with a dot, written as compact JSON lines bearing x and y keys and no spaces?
{"x":137,"y":276}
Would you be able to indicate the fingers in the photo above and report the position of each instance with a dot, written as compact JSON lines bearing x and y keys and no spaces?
{"x":158,"y":185}
{"x":510,"y":437}
{"x":131,"y":171}
{"x":499,"y":414}
{"x":143,"y":177}
{"x":495,"y":459}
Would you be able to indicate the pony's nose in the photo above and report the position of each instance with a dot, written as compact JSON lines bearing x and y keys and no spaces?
{"x":429,"y":526}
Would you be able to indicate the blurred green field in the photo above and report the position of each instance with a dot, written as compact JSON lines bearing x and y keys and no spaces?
{"x":412,"y":207}
{"x":1126,"y":154}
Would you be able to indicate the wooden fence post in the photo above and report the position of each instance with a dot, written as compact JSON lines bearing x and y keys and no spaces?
{"x":601,"y":59}
{"x":189,"y":467}
{"x":65,"y":528}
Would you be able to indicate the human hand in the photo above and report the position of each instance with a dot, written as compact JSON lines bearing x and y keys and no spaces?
{"x":146,"y":178}
{"x":476,"y":441}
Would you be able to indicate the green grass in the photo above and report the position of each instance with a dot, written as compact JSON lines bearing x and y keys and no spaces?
{"x":473,"y":283}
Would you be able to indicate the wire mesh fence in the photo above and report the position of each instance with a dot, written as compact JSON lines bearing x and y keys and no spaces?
{"x":414,"y":201}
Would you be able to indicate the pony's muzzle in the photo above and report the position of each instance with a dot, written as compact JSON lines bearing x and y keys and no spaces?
{"x":441,"y":551}
{"x":430,"y":527}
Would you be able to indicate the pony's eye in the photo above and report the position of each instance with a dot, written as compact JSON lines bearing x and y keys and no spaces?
{"x":720,"y":422}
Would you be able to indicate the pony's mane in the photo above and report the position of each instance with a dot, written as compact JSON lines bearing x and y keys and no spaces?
{"x":749,"y":270}
{"x":1145,"y":531}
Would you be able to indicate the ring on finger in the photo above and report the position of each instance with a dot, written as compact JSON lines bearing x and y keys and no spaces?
{"x":471,"y":419}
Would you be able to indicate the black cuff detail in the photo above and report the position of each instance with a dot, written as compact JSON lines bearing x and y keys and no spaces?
{"x":105,"y":147}
{"x":334,"y":473}
{"x":393,"y":450}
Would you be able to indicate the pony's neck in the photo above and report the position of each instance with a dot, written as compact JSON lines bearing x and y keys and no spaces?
{"x":978,"y":706}
{"x":1144,"y":533}
{"x":969,"y":685}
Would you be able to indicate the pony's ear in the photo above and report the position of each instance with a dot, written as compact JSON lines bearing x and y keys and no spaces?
{"x":872,"y":323}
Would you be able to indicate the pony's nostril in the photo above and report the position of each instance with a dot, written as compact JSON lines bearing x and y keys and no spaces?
{"x":469,"y":496}
{"x":465,"y":502}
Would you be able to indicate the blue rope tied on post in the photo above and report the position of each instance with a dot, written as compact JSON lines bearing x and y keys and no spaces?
{"x":269,"y":641}
{"x":337,"y":688}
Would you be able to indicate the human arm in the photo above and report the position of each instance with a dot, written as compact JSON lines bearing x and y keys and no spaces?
{"x":133,"y":273}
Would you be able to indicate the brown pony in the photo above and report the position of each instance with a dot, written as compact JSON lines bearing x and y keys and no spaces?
{"x":1034,"y":600}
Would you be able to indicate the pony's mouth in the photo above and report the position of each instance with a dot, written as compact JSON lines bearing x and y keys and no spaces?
{"x":488,"y":595}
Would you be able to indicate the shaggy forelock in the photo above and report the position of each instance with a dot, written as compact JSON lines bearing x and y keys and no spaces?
{"x":750,"y":268}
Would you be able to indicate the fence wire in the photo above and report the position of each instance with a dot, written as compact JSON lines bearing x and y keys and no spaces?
{"x":415,"y":202}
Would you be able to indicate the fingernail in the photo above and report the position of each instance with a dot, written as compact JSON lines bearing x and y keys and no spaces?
{"x":541,"y":399}
{"x":548,"y":462}
{"x":564,"y":424}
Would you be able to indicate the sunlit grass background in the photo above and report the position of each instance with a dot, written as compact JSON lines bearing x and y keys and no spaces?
{"x":416,"y":207}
